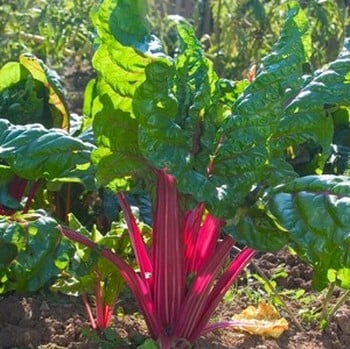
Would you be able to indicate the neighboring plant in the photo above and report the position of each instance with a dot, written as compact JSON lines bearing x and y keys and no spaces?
{"x":32,"y":93}
{"x":33,"y":252}
{"x":32,"y":159}
{"x":216,"y":157}
{"x":88,"y":274}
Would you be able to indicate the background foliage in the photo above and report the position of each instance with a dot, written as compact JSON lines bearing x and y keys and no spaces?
{"x":235,"y":34}
{"x":52,"y":30}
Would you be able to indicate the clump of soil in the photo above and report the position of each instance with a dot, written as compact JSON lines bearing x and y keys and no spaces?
{"x":55,"y":321}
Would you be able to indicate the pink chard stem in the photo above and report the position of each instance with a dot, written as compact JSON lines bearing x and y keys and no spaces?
{"x":207,"y":239}
{"x":138,"y":286}
{"x":192,"y":224}
{"x":168,"y":252}
{"x":89,"y":311}
{"x":221,"y":287}
{"x":196,"y":299}
{"x":140,"y":248}
{"x":33,"y":190}
{"x":99,"y":304}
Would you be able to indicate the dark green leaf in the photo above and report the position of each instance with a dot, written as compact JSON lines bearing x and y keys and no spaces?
{"x":41,"y":251}
{"x":305,"y":117}
{"x":33,"y":152}
{"x":314,"y":210}
{"x":8,"y":252}
{"x":259,"y":231}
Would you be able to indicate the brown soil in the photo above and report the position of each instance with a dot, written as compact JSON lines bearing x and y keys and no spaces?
{"x":53,"y":321}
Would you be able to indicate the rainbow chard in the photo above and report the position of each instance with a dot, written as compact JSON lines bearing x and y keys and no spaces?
{"x":177,"y":302}
{"x":212,"y":154}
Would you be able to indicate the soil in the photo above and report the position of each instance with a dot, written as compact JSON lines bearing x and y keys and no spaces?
{"x":47,"y":320}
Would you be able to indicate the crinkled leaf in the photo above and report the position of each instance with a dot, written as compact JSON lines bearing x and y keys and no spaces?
{"x":305,"y":116}
{"x":41,"y":251}
{"x":34,"y":152}
{"x":242,"y":158}
{"x":50,"y":79}
{"x":314,"y":210}
{"x":120,"y":61}
{"x":179,"y":107}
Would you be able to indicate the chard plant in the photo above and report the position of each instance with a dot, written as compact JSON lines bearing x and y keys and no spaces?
{"x":37,"y":155}
{"x":94,"y":278}
{"x":217,"y":158}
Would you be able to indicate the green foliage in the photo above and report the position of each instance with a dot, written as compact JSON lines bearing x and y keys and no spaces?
{"x":244,"y":31}
{"x":89,"y":274}
{"x":32,"y":152}
{"x":87,"y":267}
{"x":33,"y":252}
{"x":313,"y":210}
{"x":231,"y":145}
{"x":32,"y":93}
{"x":50,"y":30}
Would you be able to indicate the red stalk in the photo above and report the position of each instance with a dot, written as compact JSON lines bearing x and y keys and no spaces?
{"x":196,"y":298}
{"x":89,"y":311}
{"x":33,"y":189}
{"x":192,"y":223}
{"x":207,"y":239}
{"x":140,"y":249}
{"x":138,"y":286}
{"x":16,"y":189}
{"x":168,"y":252}
{"x":221,"y":287}
{"x":107,"y":314}
{"x":99,"y":304}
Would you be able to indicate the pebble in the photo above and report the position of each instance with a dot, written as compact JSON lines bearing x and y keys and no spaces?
{"x":343,"y":321}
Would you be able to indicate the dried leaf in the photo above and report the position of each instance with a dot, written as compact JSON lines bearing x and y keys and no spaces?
{"x":263,"y":321}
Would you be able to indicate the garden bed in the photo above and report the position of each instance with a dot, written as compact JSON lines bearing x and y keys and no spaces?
{"x":52,"y":321}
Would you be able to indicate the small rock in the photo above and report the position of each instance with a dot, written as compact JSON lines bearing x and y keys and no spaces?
{"x":343,"y":321}
{"x":44,"y":306}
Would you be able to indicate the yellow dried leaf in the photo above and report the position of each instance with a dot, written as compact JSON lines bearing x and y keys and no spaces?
{"x":263,"y":321}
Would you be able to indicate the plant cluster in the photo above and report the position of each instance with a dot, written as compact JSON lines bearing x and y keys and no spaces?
{"x":208,"y":161}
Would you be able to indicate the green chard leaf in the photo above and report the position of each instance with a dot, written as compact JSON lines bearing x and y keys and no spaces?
{"x":30,"y":92}
{"x":172,"y":107}
{"x":125,"y":48}
{"x":243,"y":157}
{"x":34,"y":152}
{"x":35,"y":252}
{"x":305,"y":117}
{"x":314,"y":210}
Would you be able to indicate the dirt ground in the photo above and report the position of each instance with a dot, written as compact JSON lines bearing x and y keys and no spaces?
{"x":53,"y":321}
